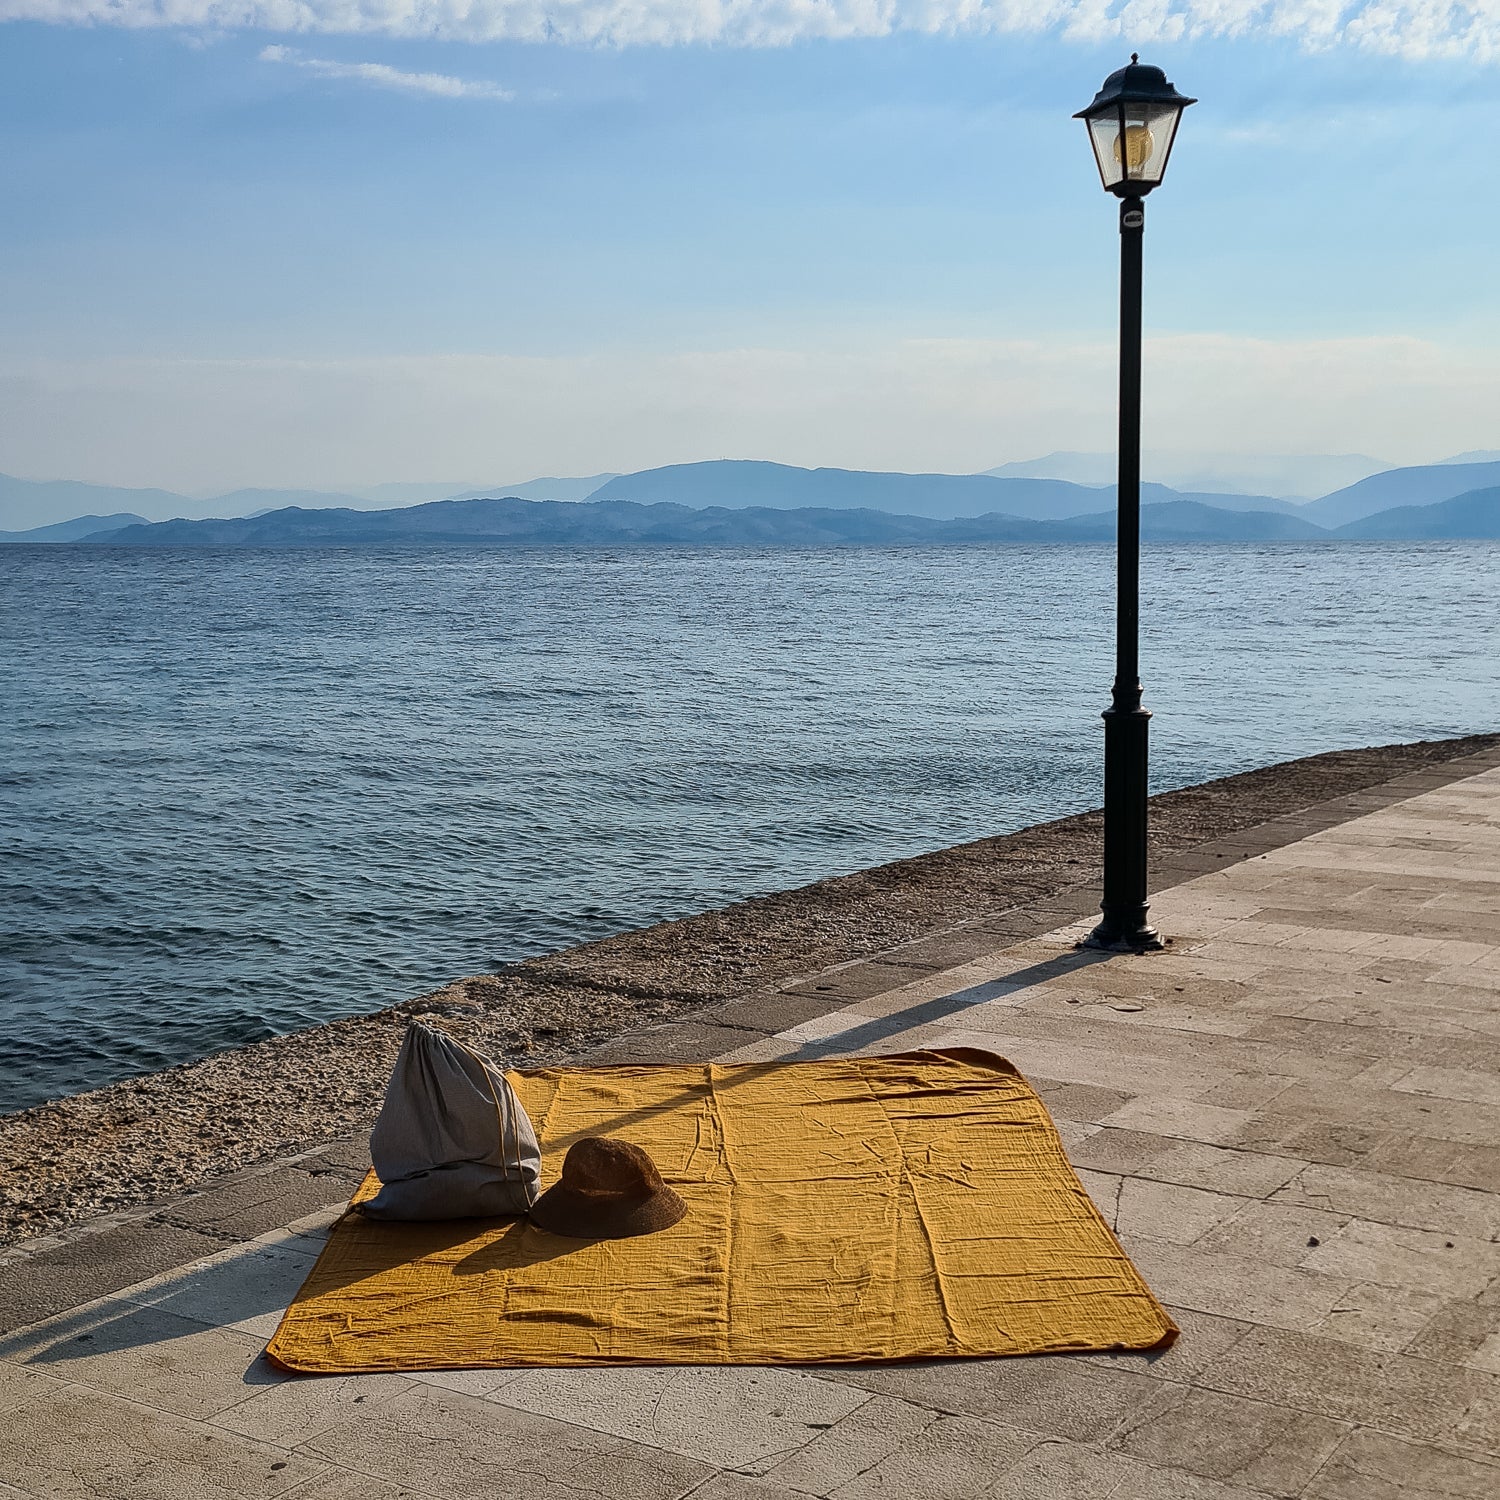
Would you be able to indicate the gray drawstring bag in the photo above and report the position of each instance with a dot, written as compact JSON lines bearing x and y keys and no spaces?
{"x":452,"y":1141}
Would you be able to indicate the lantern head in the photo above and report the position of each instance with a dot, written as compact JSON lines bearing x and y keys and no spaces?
{"x":1132,"y":123}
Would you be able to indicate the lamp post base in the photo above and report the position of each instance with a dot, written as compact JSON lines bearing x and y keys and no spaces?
{"x":1124,"y":937}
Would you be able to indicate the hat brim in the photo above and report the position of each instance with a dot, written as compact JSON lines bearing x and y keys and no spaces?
{"x":605,"y":1216}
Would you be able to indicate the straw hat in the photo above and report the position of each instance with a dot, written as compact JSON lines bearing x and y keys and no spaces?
{"x":609,"y":1190}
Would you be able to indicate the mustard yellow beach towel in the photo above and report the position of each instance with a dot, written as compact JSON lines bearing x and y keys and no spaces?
{"x":854,"y":1209}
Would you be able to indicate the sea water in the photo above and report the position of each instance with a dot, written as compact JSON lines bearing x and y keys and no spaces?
{"x":246,"y":791}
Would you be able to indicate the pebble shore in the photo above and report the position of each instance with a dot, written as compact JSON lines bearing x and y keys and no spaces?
{"x":149,"y":1138}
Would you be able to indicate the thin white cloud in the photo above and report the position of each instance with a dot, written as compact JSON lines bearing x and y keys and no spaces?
{"x":1414,"y":29}
{"x":384,"y":77}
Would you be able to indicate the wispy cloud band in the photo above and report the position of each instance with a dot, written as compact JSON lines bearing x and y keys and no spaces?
{"x":917,"y":405}
{"x":1415,"y":29}
{"x":380,"y":75}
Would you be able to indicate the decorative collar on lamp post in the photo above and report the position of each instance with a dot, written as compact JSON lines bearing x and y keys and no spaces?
{"x":1132,"y":123}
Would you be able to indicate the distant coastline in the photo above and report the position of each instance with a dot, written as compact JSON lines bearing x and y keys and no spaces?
{"x":511,"y":522}
{"x":745,"y":503}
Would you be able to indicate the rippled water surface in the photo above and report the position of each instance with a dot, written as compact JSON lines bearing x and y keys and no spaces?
{"x":244,"y":792}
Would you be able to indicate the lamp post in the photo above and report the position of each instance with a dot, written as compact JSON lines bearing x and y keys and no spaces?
{"x":1132,"y":123}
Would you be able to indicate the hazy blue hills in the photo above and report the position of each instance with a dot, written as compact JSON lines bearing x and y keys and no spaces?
{"x":738,"y":483}
{"x":27,"y":503}
{"x":750,"y":503}
{"x":1427,"y":484}
{"x":1193,"y":521}
{"x":1291,"y":477}
{"x":1475,"y":516}
{"x":541,"y":489}
{"x":745,"y":483}
{"x":74,"y":530}
{"x":510,"y":521}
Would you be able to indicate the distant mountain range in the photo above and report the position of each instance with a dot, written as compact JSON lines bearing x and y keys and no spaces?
{"x":74,"y":530}
{"x":1427,"y":485}
{"x":517,"y":522}
{"x":1476,"y":514}
{"x":533,"y":523}
{"x":737,"y":483}
{"x":745,"y":502}
{"x":1286,"y":476}
{"x":33,"y":504}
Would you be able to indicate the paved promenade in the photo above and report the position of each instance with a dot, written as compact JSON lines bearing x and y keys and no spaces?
{"x":1292,"y":1118}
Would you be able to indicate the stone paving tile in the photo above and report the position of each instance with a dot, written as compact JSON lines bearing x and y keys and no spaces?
{"x":306,"y":1235}
{"x":1449,"y":1083}
{"x":1062,"y":1471}
{"x":1330,"y":1142}
{"x":262,"y":1201}
{"x":1245,"y":1174}
{"x":177,"y":1364}
{"x":1374,"y":1466}
{"x":1104,"y":1189}
{"x":1387,"y":1318}
{"x":1204,"y":1338}
{"x":855,"y":981}
{"x":467,"y":1448}
{"x":1231,"y":1286}
{"x":467,"y":1382}
{"x":852,"y":1446}
{"x":1147,"y":1015}
{"x":1147,"y":1482}
{"x":1450,"y":1266}
{"x":1078,"y":1101}
{"x":1461,"y":1333}
{"x":1396,"y":1200}
{"x":1179,"y":1214}
{"x":1410,"y":1397}
{"x":343,"y":1485}
{"x":1229,"y":1438}
{"x":1072,"y":1471}
{"x":1475,"y":1167}
{"x":731,"y":1416}
{"x":78,"y":1270}
{"x":19,"y":1388}
{"x":944,"y":993}
{"x":1109,"y":1150}
{"x":1185,"y":1119}
{"x":739,"y":1487}
{"x":85,"y":1445}
{"x":1101,"y":1066}
{"x":247,"y":1287}
{"x":956,"y":1458}
{"x":1276,"y":1233}
{"x":288,"y":1410}
{"x":949,"y":950}
{"x":1064,"y":1396}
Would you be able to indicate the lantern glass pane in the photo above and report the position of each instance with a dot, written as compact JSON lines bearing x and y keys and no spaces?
{"x":1104,"y":132}
{"x":1149,"y":129}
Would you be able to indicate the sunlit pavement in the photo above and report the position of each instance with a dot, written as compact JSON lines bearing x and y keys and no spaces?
{"x":1291,"y":1118}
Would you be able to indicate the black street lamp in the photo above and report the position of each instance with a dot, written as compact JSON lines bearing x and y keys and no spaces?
{"x":1132,"y":123}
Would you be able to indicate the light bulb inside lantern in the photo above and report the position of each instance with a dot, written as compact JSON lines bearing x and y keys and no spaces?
{"x":1133,"y":148}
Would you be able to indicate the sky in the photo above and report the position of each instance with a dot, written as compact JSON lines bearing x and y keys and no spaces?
{"x":309,"y":243}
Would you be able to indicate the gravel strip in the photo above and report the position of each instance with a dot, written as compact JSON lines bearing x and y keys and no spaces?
{"x":148,"y":1138}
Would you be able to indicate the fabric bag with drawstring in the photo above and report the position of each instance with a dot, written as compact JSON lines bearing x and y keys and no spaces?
{"x":452,"y":1140}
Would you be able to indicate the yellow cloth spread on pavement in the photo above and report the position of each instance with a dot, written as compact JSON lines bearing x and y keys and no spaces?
{"x":870,"y":1208}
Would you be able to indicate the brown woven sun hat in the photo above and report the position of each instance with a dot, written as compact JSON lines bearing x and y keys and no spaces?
{"x":609,"y":1190}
